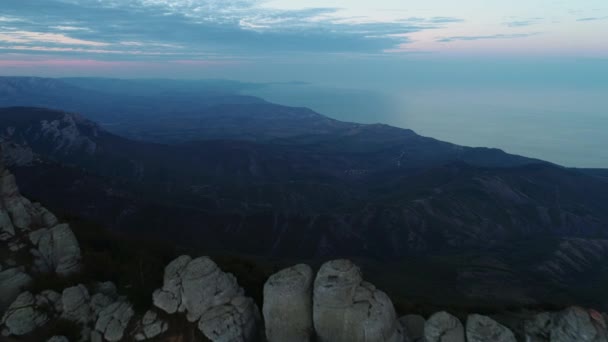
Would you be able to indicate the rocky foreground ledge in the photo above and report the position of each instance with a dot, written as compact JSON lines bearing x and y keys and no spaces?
{"x":334,"y":305}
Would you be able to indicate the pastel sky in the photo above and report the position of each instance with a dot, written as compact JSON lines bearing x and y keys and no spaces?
{"x":158,"y":37}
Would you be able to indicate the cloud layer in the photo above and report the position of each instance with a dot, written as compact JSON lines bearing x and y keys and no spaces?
{"x":193,"y":29}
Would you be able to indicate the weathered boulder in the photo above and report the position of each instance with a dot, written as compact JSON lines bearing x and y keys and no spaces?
{"x":7,"y":231}
{"x":288,"y":305}
{"x":18,"y":207}
{"x":443,"y":327}
{"x":482,"y":329}
{"x":195,"y":286}
{"x":150,"y":326}
{"x":578,"y":324}
{"x":198,"y":288}
{"x":345,"y":308}
{"x":12,"y":283}
{"x":113,"y":321}
{"x":25,"y":314}
{"x":99,"y":301}
{"x":169,"y":297}
{"x":413,"y":327}
{"x":235,"y":321}
{"x":58,"y":339}
{"x":75,"y":301}
{"x":57,"y":250}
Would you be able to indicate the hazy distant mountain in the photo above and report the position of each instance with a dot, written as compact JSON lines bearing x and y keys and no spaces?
{"x":490,"y":218}
{"x":370,"y":190}
{"x":124,"y":107}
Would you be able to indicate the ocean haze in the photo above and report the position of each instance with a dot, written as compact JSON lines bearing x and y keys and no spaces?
{"x":564,"y":125}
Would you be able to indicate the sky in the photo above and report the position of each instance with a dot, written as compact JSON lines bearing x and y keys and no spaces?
{"x":273,"y":39}
{"x":528,"y":76}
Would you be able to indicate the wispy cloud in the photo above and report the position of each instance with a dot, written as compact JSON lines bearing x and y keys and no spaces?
{"x":523,"y":22}
{"x":592,"y":18}
{"x":483,"y":37}
{"x":26,"y":37}
{"x":226,"y":27}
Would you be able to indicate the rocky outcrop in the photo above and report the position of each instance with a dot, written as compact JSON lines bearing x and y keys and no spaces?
{"x":443,"y":327}
{"x":13,"y":281}
{"x":113,"y":321}
{"x":99,"y":316}
{"x":345,"y":308}
{"x":482,"y":329}
{"x":578,"y":324}
{"x":33,"y":242}
{"x":198,"y":288}
{"x":150,"y":326}
{"x":29,"y":312}
{"x":234,"y":321}
{"x":58,"y":339}
{"x":56,"y":250}
{"x":288,"y":305}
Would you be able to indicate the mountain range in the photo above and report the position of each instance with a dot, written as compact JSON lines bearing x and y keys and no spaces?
{"x":206,"y":167}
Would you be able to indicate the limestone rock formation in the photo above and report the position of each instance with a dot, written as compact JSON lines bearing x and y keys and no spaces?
{"x":57,"y":250}
{"x":288,"y":305}
{"x":150,"y":326}
{"x":198,"y":288}
{"x":443,"y":327}
{"x":58,"y":339}
{"x":76,"y":306}
{"x":345,"y":308}
{"x":578,"y":324}
{"x":13,"y":281}
{"x":482,"y":328}
{"x":236,"y":321}
{"x":29,"y":232}
{"x":113,"y":321}
{"x":28,"y":312}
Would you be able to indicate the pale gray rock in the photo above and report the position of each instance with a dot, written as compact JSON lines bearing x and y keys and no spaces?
{"x":443,"y":327}
{"x":107,"y":288}
{"x":99,"y":301}
{"x":195,"y":286}
{"x":12,"y":283}
{"x":578,"y":324}
{"x":75,"y":302}
{"x":198,"y":288}
{"x":345,"y":308}
{"x":7,"y":231}
{"x":151,"y":326}
{"x":204,"y":286}
{"x":235,"y":321}
{"x":482,"y":329}
{"x":58,"y":339}
{"x":18,"y":207}
{"x":24,"y":315}
{"x":288,"y":305}
{"x":168,"y":298}
{"x":413,"y":327}
{"x":56,"y":249}
{"x":47,"y":218}
{"x":113,"y":321}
